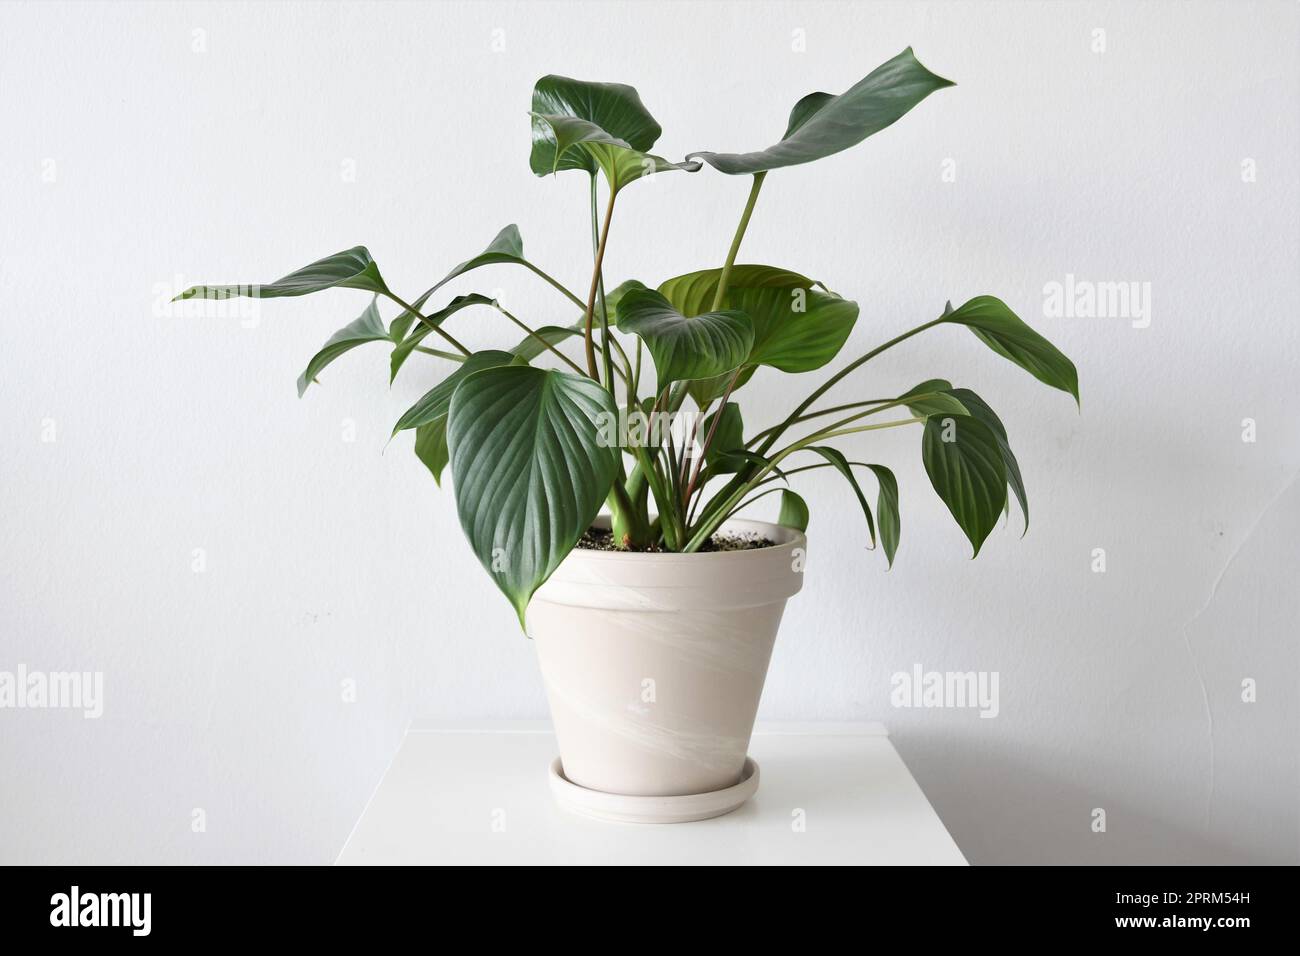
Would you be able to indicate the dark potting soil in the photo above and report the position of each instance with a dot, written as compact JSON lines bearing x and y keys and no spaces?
{"x":602,"y":539}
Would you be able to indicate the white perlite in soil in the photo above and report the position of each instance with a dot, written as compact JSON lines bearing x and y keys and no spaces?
{"x":601,"y":539}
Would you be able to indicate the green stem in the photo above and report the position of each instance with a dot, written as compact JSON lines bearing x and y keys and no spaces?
{"x":558,"y":287}
{"x":416,"y":312}
{"x":600,"y":296}
{"x":595,"y":284}
{"x":709,"y":525}
{"x":438,"y":353}
{"x":830,"y":382}
{"x":568,"y":361}
{"x":725,"y":278}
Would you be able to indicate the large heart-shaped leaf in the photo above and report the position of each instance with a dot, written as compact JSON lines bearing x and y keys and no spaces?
{"x":407,"y":345}
{"x":530,"y":471}
{"x":821,"y":124}
{"x":615,"y":109}
{"x":965,"y":466}
{"x":797,"y":328}
{"x":980,"y":409}
{"x":351,"y":269}
{"x":685,"y":347}
{"x":368,"y":327}
{"x":1002,"y":330}
{"x":428,"y":416}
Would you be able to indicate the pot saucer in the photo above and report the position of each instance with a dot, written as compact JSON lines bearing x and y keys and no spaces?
{"x":623,"y":808}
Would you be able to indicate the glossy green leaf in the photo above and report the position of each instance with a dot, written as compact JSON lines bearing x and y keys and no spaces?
{"x":620,"y":163}
{"x":887,"y":510}
{"x":351,"y":269}
{"x":530,"y":472}
{"x":797,"y":328}
{"x":685,"y":347}
{"x":431,"y":447}
{"x":614,"y":109}
{"x":794,"y":511}
{"x":433,"y":405}
{"x":842,"y":465}
{"x":932,"y":397}
{"x":980,"y":409}
{"x":965,"y":466}
{"x":418,"y":334}
{"x":704,"y":391}
{"x":1002,"y":330}
{"x":368,"y":327}
{"x":821,"y":124}
{"x":727,"y":439}
{"x":529,"y":348}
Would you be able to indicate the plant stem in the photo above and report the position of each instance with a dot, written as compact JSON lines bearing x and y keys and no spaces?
{"x":600,"y":296}
{"x":559,"y":288}
{"x":710,"y":524}
{"x":436,"y":328}
{"x":830,"y":382}
{"x":595,"y":283}
{"x":720,"y":295}
{"x":437,"y":353}
{"x":818,"y":414}
{"x":564,"y":358}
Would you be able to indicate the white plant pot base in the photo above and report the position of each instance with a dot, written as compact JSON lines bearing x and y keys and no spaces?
{"x":654,"y":665}
{"x":626,"y":808}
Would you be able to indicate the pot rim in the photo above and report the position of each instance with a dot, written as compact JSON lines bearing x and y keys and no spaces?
{"x":789,"y":538}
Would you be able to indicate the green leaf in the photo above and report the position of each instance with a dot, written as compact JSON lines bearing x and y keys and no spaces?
{"x":980,"y":409}
{"x":821,"y":124}
{"x":407,"y":345}
{"x":964,"y":463}
{"x":685,"y":347}
{"x":507,"y":246}
{"x":529,"y":348}
{"x":530,"y":473}
{"x":617,"y":159}
{"x":796,"y":327}
{"x":728,"y":438}
{"x":887,"y":510}
{"x":368,"y":327}
{"x":841,"y":464}
{"x":794,"y":511}
{"x":350,"y":269}
{"x":613,"y":108}
{"x":1002,"y":330}
{"x":705,"y":391}
{"x":933,"y":397}
{"x":431,"y":447}
{"x":433,"y":405}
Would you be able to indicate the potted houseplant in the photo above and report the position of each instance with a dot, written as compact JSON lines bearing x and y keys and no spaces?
{"x":654,"y":621}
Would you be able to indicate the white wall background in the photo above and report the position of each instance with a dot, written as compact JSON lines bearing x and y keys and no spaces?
{"x":132,"y":161}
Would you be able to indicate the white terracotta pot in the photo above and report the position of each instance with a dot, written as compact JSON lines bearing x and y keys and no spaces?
{"x":654,"y":663}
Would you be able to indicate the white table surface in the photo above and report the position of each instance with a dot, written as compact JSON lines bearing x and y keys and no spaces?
{"x":478,"y":794}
